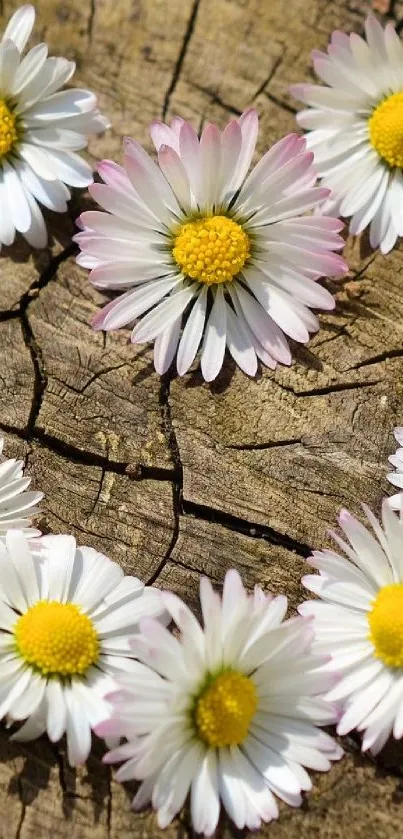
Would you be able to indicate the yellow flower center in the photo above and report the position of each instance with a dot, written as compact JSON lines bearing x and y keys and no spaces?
{"x":211,"y":250}
{"x":386,"y":129}
{"x":8,"y":131}
{"x":225,"y":708}
{"x":56,"y":639}
{"x":386,"y":625}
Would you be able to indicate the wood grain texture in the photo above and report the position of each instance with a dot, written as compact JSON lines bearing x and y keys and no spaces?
{"x":172,"y":477}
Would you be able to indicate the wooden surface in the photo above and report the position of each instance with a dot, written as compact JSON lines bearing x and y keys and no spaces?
{"x":175,"y":477}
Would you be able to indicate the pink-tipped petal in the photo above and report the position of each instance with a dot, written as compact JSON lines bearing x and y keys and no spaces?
{"x":249,"y":123}
{"x":175,"y":173}
{"x":210,"y":162}
{"x":162,"y":135}
{"x":231,"y":148}
{"x":149,"y":181}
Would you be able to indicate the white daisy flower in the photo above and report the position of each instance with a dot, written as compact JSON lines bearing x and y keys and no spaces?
{"x":228,"y":712}
{"x":16,"y":505}
{"x":396,"y":478}
{"x":200,"y":244}
{"x":356,"y":129}
{"x":65,"y":620}
{"x":359,"y":622}
{"x":41,"y":129}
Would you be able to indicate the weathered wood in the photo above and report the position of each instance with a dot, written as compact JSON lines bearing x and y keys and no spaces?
{"x":178,"y":478}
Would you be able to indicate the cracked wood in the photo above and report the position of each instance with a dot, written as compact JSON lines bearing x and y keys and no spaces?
{"x":175,"y":478}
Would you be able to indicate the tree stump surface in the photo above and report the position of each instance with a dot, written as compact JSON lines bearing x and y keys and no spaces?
{"x":174,"y":477}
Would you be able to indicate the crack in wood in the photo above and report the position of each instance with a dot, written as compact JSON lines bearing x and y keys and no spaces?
{"x":91,"y":18}
{"x":322,"y":391}
{"x":177,"y":483}
{"x":268,"y":79}
{"x":9,"y":315}
{"x":247,"y":528}
{"x":216,"y":100}
{"x":40,"y":377}
{"x":175,"y":535}
{"x":361,"y":272}
{"x":167,"y":424}
{"x":93,"y":378}
{"x":135,"y":471}
{"x":272,"y":444}
{"x":47,"y":275}
{"x":385,"y":356}
{"x":181,"y":57}
{"x":97,"y":497}
{"x":23,"y":812}
{"x":283,"y":105}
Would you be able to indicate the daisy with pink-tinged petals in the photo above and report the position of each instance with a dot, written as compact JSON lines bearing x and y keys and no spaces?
{"x":210,"y":257}
{"x":355,"y":124}
{"x":396,"y":478}
{"x":358,"y":621}
{"x":227,"y":713}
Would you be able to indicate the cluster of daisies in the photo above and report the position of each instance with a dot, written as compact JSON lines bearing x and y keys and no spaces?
{"x":228,"y":711}
{"x":210,"y":256}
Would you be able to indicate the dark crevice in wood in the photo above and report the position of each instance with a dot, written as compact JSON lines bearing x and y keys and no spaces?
{"x":60,"y":766}
{"x":93,"y":378}
{"x":135,"y":471}
{"x":23,"y":811}
{"x":216,"y":99}
{"x":268,"y":79}
{"x":181,"y":57}
{"x":177,"y":482}
{"x":385,"y":356}
{"x":174,"y":538}
{"x":337,"y":388}
{"x":91,"y":17}
{"x":40,"y":378}
{"x":14,"y":314}
{"x":272,"y":444}
{"x":247,"y":528}
{"x":343,"y":331}
{"x":48,"y":274}
{"x":322,"y":493}
{"x":283,"y":105}
{"x":361,"y":272}
{"x":168,"y":428}
{"x":22,"y":819}
{"x":97,"y":497}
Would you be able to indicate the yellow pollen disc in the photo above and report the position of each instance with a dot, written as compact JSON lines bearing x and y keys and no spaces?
{"x":211,"y":250}
{"x":386,"y":129}
{"x":56,"y":639}
{"x":386,"y":625}
{"x":225,"y":709}
{"x":8,"y":131}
